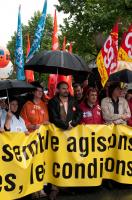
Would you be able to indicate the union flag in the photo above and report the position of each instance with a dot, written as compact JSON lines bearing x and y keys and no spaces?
{"x":107,"y":57}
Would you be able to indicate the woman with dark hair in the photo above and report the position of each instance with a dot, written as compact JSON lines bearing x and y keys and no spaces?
{"x":115,"y":109}
{"x":10,"y":119}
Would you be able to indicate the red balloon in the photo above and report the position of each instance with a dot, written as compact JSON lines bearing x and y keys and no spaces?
{"x":4,"y":57}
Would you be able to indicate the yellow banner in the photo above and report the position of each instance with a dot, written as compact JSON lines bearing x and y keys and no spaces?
{"x":83,"y":156}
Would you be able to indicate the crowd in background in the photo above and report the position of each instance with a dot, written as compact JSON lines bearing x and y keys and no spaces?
{"x":88,"y":106}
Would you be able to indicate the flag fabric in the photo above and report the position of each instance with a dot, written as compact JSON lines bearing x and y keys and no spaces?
{"x":67,"y":79}
{"x":64,"y":44}
{"x":55,"y":42}
{"x":125,"y":50}
{"x":19,"y":59}
{"x":38,"y":33}
{"x":28,"y":45}
{"x":108,"y":55}
{"x":70,"y":47}
{"x":52,"y":79}
{"x":29,"y":73}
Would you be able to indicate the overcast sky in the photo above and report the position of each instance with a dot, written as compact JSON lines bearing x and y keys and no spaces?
{"x":9,"y":15}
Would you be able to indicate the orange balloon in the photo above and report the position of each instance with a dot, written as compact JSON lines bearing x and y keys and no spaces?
{"x":4,"y":57}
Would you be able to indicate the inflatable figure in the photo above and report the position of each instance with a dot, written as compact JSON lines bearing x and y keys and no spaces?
{"x":6,"y":66}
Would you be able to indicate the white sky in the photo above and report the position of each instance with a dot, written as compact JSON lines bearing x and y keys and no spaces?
{"x":9,"y":15}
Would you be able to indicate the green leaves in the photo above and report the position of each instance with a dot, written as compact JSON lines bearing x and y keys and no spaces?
{"x":89,"y":18}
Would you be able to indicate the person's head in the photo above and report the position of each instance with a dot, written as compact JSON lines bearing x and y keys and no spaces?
{"x":85,"y":83}
{"x":115,"y":90}
{"x":92,"y":96}
{"x":63,"y":89}
{"x":78,"y":91}
{"x":129,"y":94}
{"x":13,"y":104}
{"x":38,"y":91}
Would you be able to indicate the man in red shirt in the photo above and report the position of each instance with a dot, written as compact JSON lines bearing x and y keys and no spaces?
{"x":91,"y":109}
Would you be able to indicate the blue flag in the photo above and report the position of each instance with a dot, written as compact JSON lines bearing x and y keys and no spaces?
{"x":19,"y":59}
{"x":38,"y":33}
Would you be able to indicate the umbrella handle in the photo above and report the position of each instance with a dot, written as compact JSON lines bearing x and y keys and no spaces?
{"x":8,"y":99}
{"x":56,"y":81}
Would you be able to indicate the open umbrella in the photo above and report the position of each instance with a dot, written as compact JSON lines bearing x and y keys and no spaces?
{"x":14,"y":87}
{"x":122,"y":76}
{"x":123,"y":72}
{"x":57,"y":62}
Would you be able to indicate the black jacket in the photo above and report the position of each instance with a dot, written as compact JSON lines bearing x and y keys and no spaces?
{"x":74,"y":113}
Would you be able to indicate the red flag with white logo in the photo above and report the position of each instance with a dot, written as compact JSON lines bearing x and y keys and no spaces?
{"x":108,"y":55}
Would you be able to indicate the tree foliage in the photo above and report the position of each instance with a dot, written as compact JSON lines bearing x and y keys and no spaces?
{"x":90,"y":21}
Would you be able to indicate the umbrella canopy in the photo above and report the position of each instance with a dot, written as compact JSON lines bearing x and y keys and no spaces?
{"x":57,"y":62}
{"x":123,"y":72}
{"x":122,"y":76}
{"x":14,"y":87}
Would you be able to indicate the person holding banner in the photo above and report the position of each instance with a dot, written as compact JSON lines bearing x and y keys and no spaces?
{"x":91,"y":109}
{"x":35,"y":111}
{"x":10,"y":119}
{"x":64,"y":111}
{"x":115,"y":109}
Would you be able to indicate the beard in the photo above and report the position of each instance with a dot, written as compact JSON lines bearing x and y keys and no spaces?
{"x":65,"y":94}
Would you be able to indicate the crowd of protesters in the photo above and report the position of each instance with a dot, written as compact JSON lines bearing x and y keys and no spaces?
{"x":66,"y":111}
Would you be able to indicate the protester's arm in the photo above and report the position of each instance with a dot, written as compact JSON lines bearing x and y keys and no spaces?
{"x":54,"y":116}
{"x":107,"y":114}
{"x":7,"y":124}
{"x":2,"y":130}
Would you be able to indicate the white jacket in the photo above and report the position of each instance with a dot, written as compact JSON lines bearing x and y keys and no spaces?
{"x":16,"y":125}
{"x":108,"y":110}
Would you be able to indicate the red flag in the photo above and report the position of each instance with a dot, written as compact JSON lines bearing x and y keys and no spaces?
{"x":70,"y":48}
{"x":28,"y":45}
{"x":125,"y":50}
{"x":64,"y":44}
{"x":55,"y":43}
{"x":107,"y":57}
{"x":67,"y":79}
{"x":28,"y":73}
{"x":52,"y":80}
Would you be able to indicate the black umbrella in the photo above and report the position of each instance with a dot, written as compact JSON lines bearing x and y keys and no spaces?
{"x":122,"y":76}
{"x":57,"y":62}
{"x":14,"y":87}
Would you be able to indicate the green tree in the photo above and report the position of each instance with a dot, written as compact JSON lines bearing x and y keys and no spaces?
{"x":30,"y":28}
{"x":90,"y":21}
